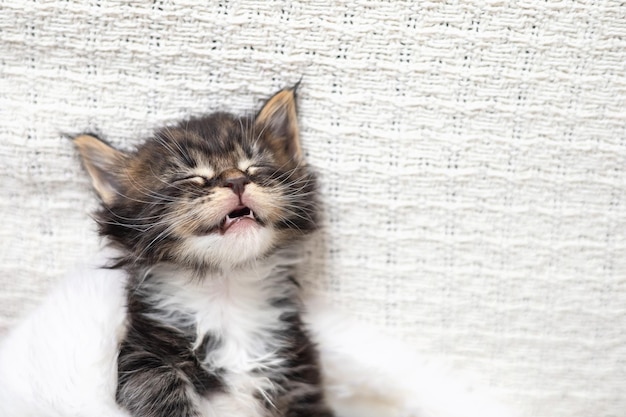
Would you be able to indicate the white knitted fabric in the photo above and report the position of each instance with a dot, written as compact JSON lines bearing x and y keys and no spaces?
{"x":472,"y":156}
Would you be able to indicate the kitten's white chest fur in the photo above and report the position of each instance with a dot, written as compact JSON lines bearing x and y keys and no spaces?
{"x":235,"y":308}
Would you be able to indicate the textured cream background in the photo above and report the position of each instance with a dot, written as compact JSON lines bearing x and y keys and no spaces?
{"x":472,"y":156}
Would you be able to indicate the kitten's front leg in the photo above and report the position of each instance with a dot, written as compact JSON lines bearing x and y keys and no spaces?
{"x":159,"y":374}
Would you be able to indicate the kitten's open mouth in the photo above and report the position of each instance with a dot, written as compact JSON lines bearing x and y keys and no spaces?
{"x":240,"y":214}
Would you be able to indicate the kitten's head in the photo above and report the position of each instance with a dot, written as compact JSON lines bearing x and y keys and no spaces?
{"x":213,"y":192}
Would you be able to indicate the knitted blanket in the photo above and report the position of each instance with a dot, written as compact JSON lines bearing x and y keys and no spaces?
{"x":472,"y":156}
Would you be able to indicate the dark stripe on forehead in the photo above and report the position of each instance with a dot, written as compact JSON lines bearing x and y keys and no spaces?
{"x":215,"y":134}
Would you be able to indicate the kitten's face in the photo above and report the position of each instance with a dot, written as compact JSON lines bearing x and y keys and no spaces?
{"x":216,"y":192}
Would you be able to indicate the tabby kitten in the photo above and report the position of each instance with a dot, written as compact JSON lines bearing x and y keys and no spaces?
{"x":204,"y":214}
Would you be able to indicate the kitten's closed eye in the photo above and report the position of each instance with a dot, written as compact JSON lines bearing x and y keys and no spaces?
{"x":251,"y":170}
{"x":193,"y":179}
{"x":262,"y":169}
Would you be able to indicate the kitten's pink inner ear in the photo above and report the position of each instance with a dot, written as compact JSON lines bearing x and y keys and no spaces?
{"x":278,"y":120}
{"x":104,"y":164}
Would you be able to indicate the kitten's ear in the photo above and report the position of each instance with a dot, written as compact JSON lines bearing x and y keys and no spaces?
{"x":104,"y":164}
{"x":278,"y":120}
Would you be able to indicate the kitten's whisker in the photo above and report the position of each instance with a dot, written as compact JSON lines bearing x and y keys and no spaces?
{"x":288,"y":221}
{"x":258,"y":137}
{"x":288,"y":209}
{"x":161,"y":236}
{"x":167,"y":132}
{"x":119,"y":216}
{"x":162,"y":141}
{"x":165,"y":199}
{"x":166,"y":232}
{"x":301,"y":216}
{"x":184,"y":152}
{"x":143,"y":226}
{"x":279,"y":169}
{"x":243,"y":132}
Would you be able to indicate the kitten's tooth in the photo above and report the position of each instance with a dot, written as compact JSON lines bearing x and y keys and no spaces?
{"x":225,"y":224}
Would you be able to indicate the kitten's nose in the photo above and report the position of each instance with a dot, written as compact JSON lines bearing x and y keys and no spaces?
{"x":237,"y":184}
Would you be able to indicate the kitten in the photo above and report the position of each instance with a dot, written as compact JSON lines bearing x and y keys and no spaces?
{"x":202,"y":214}
{"x":197,"y":312}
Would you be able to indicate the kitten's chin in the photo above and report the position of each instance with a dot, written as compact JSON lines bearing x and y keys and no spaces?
{"x":241,"y":243}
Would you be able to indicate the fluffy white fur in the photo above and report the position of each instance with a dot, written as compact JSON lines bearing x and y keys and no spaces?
{"x":61,"y":361}
{"x":370,"y":374}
